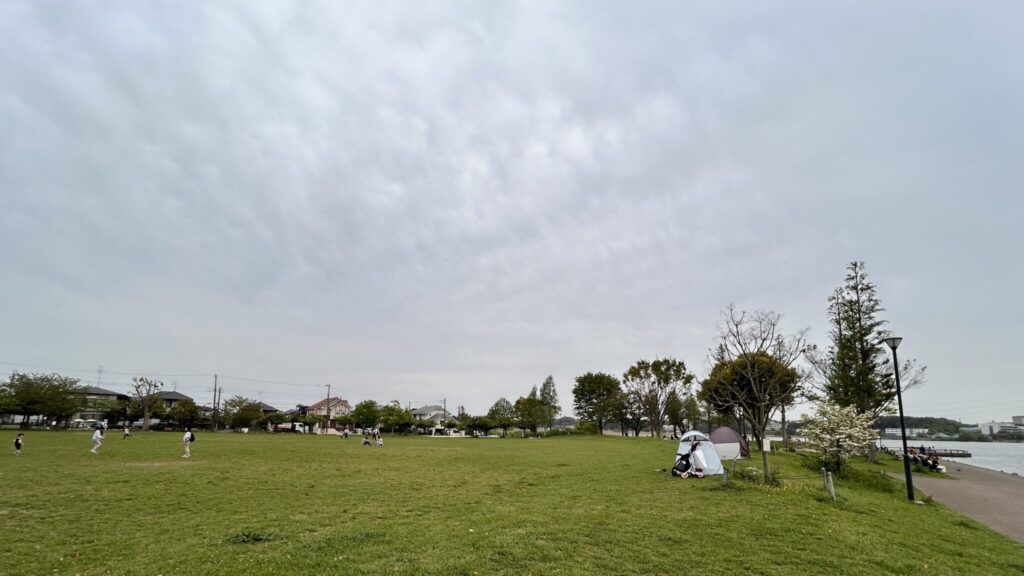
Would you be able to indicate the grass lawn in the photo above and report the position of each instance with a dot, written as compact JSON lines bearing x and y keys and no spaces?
{"x":570,"y":505}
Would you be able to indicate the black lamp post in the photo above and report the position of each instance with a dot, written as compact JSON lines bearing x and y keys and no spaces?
{"x":894,"y":342}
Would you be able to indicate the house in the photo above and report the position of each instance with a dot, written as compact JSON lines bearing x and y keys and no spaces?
{"x":1018,"y":420}
{"x":330,"y":406}
{"x":170,"y":398}
{"x":98,"y":402}
{"x":267,"y":408}
{"x":433,"y":412}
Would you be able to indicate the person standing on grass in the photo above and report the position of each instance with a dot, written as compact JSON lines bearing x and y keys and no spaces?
{"x":97,"y":439}
{"x":127,"y":433}
{"x":19,"y":441}
{"x":186,"y":441}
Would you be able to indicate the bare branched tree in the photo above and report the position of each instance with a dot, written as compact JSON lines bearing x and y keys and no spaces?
{"x":753,"y":373}
{"x":146,"y":393}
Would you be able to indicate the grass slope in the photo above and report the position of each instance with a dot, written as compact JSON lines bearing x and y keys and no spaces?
{"x":574,"y":505}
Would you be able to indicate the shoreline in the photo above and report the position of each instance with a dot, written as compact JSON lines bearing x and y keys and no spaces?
{"x":951,"y":463}
{"x":991,"y":497}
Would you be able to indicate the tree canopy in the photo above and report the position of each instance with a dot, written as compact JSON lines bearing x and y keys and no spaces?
{"x":856,"y":369}
{"x":753,"y":372}
{"x":594,"y":397}
{"x":652,"y":384}
{"x":50,"y":395}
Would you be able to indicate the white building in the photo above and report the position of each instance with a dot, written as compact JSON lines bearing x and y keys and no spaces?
{"x":990,"y":428}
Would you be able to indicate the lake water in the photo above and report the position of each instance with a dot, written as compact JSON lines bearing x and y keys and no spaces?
{"x":1005,"y":456}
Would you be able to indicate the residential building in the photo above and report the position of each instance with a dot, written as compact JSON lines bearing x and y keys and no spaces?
{"x":1018,"y":420}
{"x":171,"y":397}
{"x":335,"y":406}
{"x":434,"y":412}
{"x":268,"y":409}
{"x":98,"y":401}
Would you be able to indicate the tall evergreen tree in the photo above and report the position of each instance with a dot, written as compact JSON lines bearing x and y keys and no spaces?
{"x":856,"y":369}
{"x":549,"y":398}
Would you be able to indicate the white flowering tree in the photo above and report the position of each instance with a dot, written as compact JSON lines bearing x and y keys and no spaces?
{"x":836,"y":433}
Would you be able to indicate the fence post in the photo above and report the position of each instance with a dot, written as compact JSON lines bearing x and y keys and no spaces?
{"x":824,"y":479}
{"x":725,"y":476}
{"x":831,"y":488}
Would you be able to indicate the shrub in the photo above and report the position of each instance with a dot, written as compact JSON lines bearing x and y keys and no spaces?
{"x":836,"y":433}
{"x":752,"y":474}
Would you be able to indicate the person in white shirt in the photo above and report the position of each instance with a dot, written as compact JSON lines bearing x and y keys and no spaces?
{"x":97,"y":439}
{"x":186,"y":441}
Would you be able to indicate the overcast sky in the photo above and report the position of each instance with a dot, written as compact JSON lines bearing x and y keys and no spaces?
{"x":423,"y":201}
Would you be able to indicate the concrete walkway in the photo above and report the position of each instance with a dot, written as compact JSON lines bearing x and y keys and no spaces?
{"x":995,"y":499}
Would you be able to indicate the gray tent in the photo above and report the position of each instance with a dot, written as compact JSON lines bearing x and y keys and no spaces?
{"x":729,"y":443}
{"x":704,"y":457}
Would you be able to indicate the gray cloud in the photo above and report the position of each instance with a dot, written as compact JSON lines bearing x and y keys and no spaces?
{"x":425,"y":201}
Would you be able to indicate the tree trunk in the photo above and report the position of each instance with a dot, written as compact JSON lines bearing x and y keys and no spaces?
{"x":785,"y":437}
{"x":873,"y":453}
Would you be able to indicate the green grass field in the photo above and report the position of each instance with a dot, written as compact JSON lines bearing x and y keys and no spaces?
{"x":570,"y":505}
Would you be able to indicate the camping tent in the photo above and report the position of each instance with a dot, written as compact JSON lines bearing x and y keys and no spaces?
{"x":729,"y":443}
{"x":705,"y":448}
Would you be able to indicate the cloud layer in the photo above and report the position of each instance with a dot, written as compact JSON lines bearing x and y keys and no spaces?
{"x":419,"y":201}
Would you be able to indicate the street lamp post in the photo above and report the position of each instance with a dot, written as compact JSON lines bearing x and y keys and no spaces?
{"x":893,"y":342}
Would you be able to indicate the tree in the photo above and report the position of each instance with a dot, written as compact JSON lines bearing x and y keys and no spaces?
{"x":366,"y":414}
{"x":674,"y":412}
{"x":549,"y":400}
{"x":856,"y":369}
{"x":753,"y":371}
{"x":146,"y":395}
{"x":116,"y":411}
{"x":242,"y":412}
{"x":628,"y":410}
{"x":652,"y":383}
{"x":594,"y":397}
{"x":479,"y":424}
{"x":838,"y":432}
{"x":502,"y":415}
{"x":393,"y":416}
{"x":530,"y":411}
{"x":276,"y":418}
{"x":185,"y":413}
{"x":692,"y":414}
{"x":49,"y":395}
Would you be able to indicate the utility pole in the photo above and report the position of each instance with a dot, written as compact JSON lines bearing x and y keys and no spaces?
{"x":99,"y":374}
{"x":214,"y":402}
{"x":328,"y":408}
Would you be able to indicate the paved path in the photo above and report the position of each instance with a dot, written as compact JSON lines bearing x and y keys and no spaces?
{"x":995,"y":499}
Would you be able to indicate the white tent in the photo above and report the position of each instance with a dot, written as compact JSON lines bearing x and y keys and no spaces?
{"x":704,"y":457}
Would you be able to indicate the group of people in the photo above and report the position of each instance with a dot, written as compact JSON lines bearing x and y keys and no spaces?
{"x":929,"y":461}
{"x":378,"y":438}
{"x":98,"y":437}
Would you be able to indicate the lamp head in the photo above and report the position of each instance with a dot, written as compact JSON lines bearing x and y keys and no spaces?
{"x":893,"y":342}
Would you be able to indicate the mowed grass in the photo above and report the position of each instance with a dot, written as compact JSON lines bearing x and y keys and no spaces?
{"x":293,"y":504}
